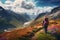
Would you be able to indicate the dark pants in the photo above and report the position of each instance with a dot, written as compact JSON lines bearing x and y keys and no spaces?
{"x":45,"y":28}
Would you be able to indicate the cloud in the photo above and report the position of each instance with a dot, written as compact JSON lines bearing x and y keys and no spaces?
{"x":32,"y":8}
{"x":8,"y":4}
{"x":44,"y":9}
{"x":23,"y":6}
{"x":18,"y":2}
{"x":27,"y":5}
{"x":1,"y":4}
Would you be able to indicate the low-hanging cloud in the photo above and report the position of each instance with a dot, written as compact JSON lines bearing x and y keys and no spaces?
{"x":28,"y":5}
{"x":17,"y":7}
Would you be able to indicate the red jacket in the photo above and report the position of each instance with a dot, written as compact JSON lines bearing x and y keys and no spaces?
{"x":45,"y":22}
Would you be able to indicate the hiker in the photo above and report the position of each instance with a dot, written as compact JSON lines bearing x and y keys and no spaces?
{"x":45,"y":24}
{"x":2,"y":38}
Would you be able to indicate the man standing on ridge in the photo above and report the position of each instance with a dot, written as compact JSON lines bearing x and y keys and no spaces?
{"x":45,"y":24}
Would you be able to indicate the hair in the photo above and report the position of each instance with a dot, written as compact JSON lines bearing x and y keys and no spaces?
{"x":46,"y":19}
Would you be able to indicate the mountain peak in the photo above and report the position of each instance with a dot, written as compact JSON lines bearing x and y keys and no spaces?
{"x":55,"y":9}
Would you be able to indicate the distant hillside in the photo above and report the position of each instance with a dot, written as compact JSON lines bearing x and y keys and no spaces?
{"x":21,"y":34}
{"x":10,"y":19}
{"x":55,"y":9}
{"x":55,"y":13}
{"x":40,"y":15}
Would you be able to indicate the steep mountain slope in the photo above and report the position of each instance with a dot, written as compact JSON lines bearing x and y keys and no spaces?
{"x":55,"y":13}
{"x":40,"y":15}
{"x":55,"y":27}
{"x":10,"y":19}
{"x":54,"y":16}
{"x":55,"y":9}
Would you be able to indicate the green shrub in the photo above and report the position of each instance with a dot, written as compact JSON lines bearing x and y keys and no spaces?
{"x":43,"y":36}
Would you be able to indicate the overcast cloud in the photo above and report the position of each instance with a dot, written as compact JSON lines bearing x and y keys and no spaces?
{"x":29,"y":6}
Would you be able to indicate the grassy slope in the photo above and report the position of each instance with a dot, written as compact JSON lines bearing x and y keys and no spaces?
{"x":25,"y":31}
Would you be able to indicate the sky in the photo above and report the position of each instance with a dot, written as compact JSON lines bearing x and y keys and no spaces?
{"x":30,"y":6}
{"x":3,"y":1}
{"x":44,"y":2}
{"x":48,"y":2}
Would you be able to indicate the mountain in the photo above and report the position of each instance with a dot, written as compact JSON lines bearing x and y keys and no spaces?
{"x":22,"y":17}
{"x":28,"y":31}
{"x":40,"y":15}
{"x":25,"y":15}
{"x":55,"y":9}
{"x":54,"y":16}
{"x":55,"y":13}
{"x":10,"y":19}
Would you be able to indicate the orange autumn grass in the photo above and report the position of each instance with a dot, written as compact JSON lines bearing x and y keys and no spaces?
{"x":25,"y":31}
